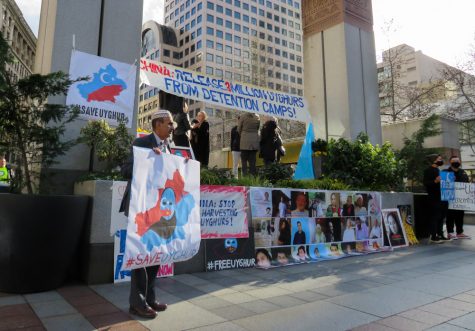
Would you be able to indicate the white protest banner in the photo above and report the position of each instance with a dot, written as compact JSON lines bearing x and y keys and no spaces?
{"x":118,"y":229}
{"x":223,"y":212}
{"x":464,"y":197}
{"x":194,"y":85}
{"x":164,"y":216}
{"x":108,"y":95}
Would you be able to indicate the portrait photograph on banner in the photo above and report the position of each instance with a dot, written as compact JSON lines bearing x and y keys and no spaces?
{"x":109,"y":91}
{"x":164,"y":218}
{"x":281,"y":203}
{"x":261,"y":202}
{"x":394,"y":228}
{"x":299,"y":204}
{"x":223,"y":212}
{"x":317,"y":204}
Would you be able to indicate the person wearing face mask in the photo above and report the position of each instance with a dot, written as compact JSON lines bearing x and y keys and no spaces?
{"x":437,"y":208}
{"x":456,"y":216}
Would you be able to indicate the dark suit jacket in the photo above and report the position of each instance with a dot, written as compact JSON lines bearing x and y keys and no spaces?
{"x":127,"y":168}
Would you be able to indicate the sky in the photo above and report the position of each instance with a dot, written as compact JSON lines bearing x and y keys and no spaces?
{"x":441,"y":29}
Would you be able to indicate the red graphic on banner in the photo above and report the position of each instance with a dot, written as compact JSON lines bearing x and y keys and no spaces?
{"x":153,"y":215}
{"x":106,"y":93}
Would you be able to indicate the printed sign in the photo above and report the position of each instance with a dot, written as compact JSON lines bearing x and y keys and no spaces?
{"x":447,"y":186}
{"x":109,"y":92}
{"x":223,"y":212}
{"x":394,"y":228}
{"x":194,"y":85}
{"x":311,"y":226}
{"x":464,"y":197}
{"x":164,"y":218}
{"x":230,"y":253}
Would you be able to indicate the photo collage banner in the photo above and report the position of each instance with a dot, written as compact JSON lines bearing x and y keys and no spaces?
{"x":294,"y":226}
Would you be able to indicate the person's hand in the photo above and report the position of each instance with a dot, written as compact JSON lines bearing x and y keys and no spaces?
{"x":187,"y":159}
{"x":157,"y":150}
{"x":437,"y":180}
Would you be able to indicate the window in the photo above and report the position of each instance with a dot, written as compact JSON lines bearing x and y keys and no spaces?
{"x":210,"y":31}
{"x":229,"y":37}
{"x":229,"y":50}
{"x":210,"y":18}
{"x":209,"y":57}
{"x":411,"y":69}
{"x":209,"y":43}
{"x":209,"y":70}
{"x":219,"y":21}
{"x":219,"y":34}
{"x":219,"y":46}
{"x":219,"y":59}
{"x":228,"y":62}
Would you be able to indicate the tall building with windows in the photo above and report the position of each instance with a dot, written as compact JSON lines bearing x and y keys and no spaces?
{"x":256,"y":42}
{"x":16,"y":31}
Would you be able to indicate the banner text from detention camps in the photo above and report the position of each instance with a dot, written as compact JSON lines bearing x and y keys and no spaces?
{"x":223,"y":212}
{"x":194,"y":85}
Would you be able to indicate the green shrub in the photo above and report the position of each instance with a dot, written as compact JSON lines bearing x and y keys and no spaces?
{"x":251,"y":181}
{"x":363,"y":166}
{"x":276,"y":171}
{"x":215,"y":176}
{"x":318,"y":184}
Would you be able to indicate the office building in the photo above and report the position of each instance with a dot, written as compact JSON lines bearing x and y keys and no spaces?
{"x":255,"y":42}
{"x":22,"y":41}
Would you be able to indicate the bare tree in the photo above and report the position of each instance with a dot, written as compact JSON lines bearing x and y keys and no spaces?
{"x":461,"y":89}
{"x":398,"y":99}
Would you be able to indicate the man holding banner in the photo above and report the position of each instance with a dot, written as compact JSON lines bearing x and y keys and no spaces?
{"x":142,"y":297}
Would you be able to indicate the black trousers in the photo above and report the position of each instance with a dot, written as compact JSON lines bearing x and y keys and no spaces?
{"x":455,"y":217}
{"x":181,"y":140}
{"x":142,"y":286}
{"x":248,"y":161}
{"x":437,"y":212}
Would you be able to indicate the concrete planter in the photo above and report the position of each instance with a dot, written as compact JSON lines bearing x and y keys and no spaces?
{"x":97,"y":248}
{"x":39,"y":240}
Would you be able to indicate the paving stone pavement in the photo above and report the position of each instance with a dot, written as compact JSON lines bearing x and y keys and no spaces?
{"x":426,"y":287}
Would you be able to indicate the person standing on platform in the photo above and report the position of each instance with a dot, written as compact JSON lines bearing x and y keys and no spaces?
{"x":142,"y":299}
{"x":194,"y":138}
{"x":248,"y":129}
{"x":235,"y":149}
{"x":437,"y":208}
{"x":203,"y":138}
{"x":269,"y":141}
{"x":456,"y":216}
{"x":183,"y":127}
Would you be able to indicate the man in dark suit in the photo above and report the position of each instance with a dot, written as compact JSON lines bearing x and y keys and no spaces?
{"x":142,"y":297}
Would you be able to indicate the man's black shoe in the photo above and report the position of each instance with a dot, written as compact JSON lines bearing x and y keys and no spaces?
{"x":158,"y":306}
{"x":146,"y":312}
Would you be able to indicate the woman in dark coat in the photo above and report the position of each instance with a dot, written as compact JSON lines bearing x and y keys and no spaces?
{"x":269,"y":141}
{"x":194,"y":138}
{"x":180,"y":134}
{"x":203,"y":138}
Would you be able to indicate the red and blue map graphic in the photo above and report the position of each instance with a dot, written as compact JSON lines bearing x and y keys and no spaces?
{"x":105,"y":86}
